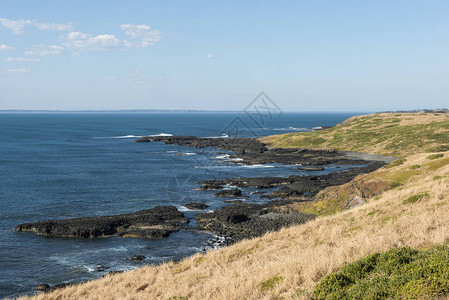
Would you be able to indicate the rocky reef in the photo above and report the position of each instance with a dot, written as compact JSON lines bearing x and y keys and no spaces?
{"x":152,"y":223}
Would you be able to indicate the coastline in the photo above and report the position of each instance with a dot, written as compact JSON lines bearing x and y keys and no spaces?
{"x":235,"y":221}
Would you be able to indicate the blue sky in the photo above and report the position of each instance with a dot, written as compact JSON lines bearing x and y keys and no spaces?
{"x":218,"y":55}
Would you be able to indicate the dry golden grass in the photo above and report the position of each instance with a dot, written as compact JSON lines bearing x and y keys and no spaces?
{"x":289,"y":263}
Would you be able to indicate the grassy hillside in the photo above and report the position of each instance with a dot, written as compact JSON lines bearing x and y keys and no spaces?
{"x":387,"y":134}
{"x":406,"y":205}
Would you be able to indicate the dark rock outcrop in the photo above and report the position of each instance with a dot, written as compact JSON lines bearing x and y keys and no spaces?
{"x":42,"y":287}
{"x":238,"y":145}
{"x":152,"y":223}
{"x":138,"y":257}
{"x":311,"y":168}
{"x":229,"y":193}
{"x":242,"y":221}
{"x":196,"y":205}
{"x":252,"y":151}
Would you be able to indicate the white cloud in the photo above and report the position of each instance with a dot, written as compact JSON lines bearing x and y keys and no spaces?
{"x":209,"y":56}
{"x":18,"y":71}
{"x":22,"y":59}
{"x":43,"y":50}
{"x":6,"y":47}
{"x":77,"y":41}
{"x":18,"y":26}
{"x":143,"y":33}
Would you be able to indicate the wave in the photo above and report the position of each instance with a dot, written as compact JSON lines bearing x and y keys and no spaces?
{"x":162,"y":134}
{"x":217,"y":137}
{"x":291,"y":128}
{"x":235,"y":159}
{"x":258,"y":166}
{"x":224,"y":156}
{"x":130,"y":136}
{"x":182,"y":208}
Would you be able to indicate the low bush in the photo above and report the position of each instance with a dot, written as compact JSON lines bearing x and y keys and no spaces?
{"x":401,"y":273}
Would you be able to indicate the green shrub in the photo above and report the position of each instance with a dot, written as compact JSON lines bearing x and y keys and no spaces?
{"x":414,"y":167}
{"x":401,"y":273}
{"x":435,"y":156}
{"x":394,"y":184}
{"x":415,"y":198}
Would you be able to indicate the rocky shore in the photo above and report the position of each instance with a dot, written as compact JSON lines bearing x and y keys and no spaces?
{"x":152,"y":223}
{"x":238,"y":220}
{"x":245,"y":220}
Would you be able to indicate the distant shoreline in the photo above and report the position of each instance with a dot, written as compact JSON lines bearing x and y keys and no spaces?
{"x":6,"y":111}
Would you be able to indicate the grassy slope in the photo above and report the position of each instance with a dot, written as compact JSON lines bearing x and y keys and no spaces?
{"x":291,"y":262}
{"x":387,"y":134}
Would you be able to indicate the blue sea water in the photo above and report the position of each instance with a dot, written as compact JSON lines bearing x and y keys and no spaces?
{"x":66,"y":165}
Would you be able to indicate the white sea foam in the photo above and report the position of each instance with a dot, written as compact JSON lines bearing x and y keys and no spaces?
{"x":162,"y":134}
{"x":258,"y":166}
{"x":224,"y":156}
{"x":218,"y":137}
{"x":188,"y":153}
{"x":129,"y":136}
{"x":182,"y":208}
{"x":235,"y":159}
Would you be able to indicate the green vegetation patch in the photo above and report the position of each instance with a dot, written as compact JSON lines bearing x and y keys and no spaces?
{"x":436,"y":164}
{"x":402,"y":176}
{"x":415,"y":198}
{"x":401,"y":273}
{"x":270,"y":283}
{"x":395,"y":163}
{"x":435,"y":156}
{"x":440,"y":148}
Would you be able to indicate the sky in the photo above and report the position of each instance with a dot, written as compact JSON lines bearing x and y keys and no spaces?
{"x":219,"y":55}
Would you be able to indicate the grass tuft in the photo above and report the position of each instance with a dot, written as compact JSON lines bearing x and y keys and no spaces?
{"x":270,"y":283}
{"x":435,"y":156}
{"x":415,"y":198}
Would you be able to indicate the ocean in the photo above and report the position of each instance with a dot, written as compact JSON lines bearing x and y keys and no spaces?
{"x":67,"y":165}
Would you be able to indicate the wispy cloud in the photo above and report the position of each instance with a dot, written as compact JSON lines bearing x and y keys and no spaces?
{"x":18,"y":71}
{"x":6,"y":47}
{"x":142,"y":35}
{"x":209,"y":56}
{"x":44,"y":50}
{"x":22,"y":59}
{"x":18,"y":26}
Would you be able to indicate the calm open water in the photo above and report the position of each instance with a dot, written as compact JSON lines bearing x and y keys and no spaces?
{"x":66,"y":165}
